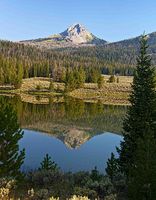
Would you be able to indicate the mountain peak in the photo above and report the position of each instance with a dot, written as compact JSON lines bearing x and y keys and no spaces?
{"x":77,"y":34}
{"x":76,"y":26}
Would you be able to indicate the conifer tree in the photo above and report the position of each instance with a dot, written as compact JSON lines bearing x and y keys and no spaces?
{"x":82,"y":77}
{"x":95,"y":175}
{"x":112,"y":79}
{"x":35,"y":70}
{"x":112,"y":167}
{"x":63,"y":75}
{"x":70,"y":81}
{"x":10,"y":134}
{"x":94,"y":75}
{"x":142,"y":176}
{"x":141,"y":116}
{"x":51,"y":86}
{"x":19,"y":76}
{"x":117,"y":80}
{"x":100,"y":82}
{"x":1,"y":76}
{"x":48,"y":164}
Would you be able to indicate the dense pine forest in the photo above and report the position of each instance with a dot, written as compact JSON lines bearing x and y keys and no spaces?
{"x":19,"y":61}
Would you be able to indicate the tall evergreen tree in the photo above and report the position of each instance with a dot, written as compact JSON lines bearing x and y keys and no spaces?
{"x":10,"y":134}
{"x":1,"y":76}
{"x":142,"y":176}
{"x":82,"y":77}
{"x":19,"y":76}
{"x":141,"y":116}
{"x":112,"y":167}
{"x":94,"y":75}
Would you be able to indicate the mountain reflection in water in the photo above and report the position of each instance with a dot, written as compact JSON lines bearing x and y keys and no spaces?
{"x":93,"y":152}
{"x":71,"y":121}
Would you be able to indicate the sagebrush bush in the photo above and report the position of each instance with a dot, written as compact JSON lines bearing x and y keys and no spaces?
{"x":111,"y":197}
{"x":52,"y":198}
{"x":6,"y":186}
{"x":45,"y":177}
{"x":78,"y":198}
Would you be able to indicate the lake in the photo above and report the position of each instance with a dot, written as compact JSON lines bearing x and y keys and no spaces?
{"x":78,"y":135}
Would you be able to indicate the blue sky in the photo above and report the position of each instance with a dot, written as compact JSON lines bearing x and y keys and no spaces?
{"x":111,"y":20}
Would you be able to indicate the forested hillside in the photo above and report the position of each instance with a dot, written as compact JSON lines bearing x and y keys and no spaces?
{"x":37,"y":62}
{"x":19,"y":61}
{"x":120,"y":56}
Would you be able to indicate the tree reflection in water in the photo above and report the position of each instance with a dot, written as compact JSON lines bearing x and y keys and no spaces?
{"x":71,"y":120}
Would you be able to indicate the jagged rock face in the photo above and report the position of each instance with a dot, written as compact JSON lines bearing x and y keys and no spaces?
{"x":74,"y":138}
{"x":77,"y":34}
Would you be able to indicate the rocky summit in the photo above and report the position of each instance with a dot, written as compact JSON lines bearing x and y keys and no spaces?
{"x":78,"y":34}
{"x":75,"y":35}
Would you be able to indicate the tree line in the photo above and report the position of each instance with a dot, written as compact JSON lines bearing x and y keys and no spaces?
{"x":36,"y":62}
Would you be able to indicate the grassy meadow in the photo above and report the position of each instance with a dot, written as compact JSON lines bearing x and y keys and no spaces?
{"x":109,"y":93}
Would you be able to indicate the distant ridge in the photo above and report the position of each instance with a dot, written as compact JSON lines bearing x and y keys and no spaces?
{"x":75,"y":35}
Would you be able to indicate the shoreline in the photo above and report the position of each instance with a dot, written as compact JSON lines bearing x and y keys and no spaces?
{"x":109,"y":93}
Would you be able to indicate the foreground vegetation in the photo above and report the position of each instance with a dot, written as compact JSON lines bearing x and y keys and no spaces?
{"x":48,"y":180}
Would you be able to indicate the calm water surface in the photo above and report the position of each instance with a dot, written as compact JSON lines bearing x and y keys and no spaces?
{"x":77,"y":135}
{"x":93,"y":153}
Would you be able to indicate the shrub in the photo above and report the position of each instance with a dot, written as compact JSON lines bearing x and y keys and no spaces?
{"x":38,"y":87}
{"x":6,"y":186}
{"x":51,"y":86}
{"x":52,"y":198}
{"x":17,"y":85}
{"x":45,"y":177}
{"x":31,"y":193}
{"x":78,"y":198}
{"x":85,"y":192}
{"x":112,"y":79}
{"x":81,"y":178}
{"x":100,"y":82}
{"x":117,"y":80}
{"x":42,"y":194}
{"x":111,"y":197}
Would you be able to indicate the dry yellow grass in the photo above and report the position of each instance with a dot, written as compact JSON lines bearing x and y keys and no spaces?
{"x":110,"y":93}
{"x":31,"y":84}
{"x":40,"y":99}
{"x":126,"y":80}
